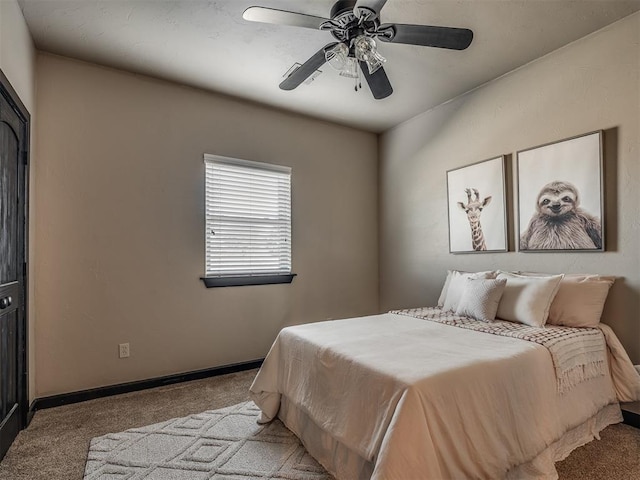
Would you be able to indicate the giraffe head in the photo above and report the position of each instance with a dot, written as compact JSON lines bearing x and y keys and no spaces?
{"x":474,"y":206}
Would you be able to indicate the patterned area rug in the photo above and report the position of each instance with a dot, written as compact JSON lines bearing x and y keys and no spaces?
{"x":225,"y":444}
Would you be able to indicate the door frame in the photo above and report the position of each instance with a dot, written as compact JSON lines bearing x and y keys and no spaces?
{"x":11,"y":96}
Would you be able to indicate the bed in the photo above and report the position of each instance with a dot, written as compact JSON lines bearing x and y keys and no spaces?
{"x":426,"y":393}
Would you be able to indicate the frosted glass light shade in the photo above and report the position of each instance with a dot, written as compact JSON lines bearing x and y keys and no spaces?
{"x":366,"y":51}
{"x":337,"y":56}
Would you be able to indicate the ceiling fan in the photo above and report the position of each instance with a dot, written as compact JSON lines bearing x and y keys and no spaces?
{"x":355,"y":24}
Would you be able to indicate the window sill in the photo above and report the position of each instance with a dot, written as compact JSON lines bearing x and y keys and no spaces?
{"x":241,"y":281}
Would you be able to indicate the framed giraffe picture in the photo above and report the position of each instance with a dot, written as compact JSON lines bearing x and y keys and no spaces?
{"x":478,"y":207}
{"x":560,"y":196}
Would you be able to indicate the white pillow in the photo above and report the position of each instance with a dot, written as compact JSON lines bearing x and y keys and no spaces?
{"x":445,"y":287}
{"x":527,"y":299}
{"x":456,"y":284}
{"x":481,"y":298}
{"x":579,"y":302}
{"x":580,"y":299}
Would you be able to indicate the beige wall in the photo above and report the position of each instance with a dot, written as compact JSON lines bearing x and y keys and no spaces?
{"x":17,"y":61}
{"x":591,"y":84}
{"x":121,"y":226}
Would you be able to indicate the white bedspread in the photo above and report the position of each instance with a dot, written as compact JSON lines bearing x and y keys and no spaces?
{"x":410,"y":395}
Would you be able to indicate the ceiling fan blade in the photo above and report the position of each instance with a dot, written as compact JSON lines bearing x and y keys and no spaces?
{"x":306,"y":69}
{"x":378,"y":82}
{"x":428,"y":36}
{"x":282,"y":17}
{"x":369,"y":9}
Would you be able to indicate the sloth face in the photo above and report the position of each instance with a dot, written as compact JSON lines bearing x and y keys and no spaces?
{"x":556,"y":204}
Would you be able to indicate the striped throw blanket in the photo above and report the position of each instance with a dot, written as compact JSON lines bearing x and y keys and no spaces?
{"x":578,"y":354}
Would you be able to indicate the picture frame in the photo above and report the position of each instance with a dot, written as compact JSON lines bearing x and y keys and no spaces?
{"x":477,"y":207}
{"x":561,"y":196}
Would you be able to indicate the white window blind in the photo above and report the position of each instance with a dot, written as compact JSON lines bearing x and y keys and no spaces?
{"x":248,"y":217}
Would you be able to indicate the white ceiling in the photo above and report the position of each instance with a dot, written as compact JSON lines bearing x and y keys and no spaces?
{"x":207,"y":44}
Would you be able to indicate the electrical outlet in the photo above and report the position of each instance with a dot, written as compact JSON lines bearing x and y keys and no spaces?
{"x":123,"y":350}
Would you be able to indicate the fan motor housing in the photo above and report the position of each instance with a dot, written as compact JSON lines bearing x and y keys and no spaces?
{"x":342,"y":6}
{"x":349,"y":25}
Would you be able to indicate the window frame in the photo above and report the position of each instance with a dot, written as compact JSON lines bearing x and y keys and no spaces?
{"x":254,"y":278}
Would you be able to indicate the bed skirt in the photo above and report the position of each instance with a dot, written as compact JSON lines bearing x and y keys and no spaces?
{"x":344,"y":463}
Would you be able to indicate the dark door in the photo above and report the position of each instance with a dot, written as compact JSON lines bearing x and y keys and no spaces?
{"x":14,"y":123}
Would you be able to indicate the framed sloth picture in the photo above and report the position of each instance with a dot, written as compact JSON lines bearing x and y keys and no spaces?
{"x":560,"y":196}
{"x":477,"y":207}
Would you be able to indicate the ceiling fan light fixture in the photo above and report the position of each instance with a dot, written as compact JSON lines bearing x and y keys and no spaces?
{"x":366,"y":51}
{"x":337,"y":56}
{"x":350,"y":69}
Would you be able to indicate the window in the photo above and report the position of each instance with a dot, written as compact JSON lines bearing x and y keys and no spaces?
{"x":248,"y":222}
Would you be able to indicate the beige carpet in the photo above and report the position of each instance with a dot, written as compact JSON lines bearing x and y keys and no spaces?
{"x":55,"y":445}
